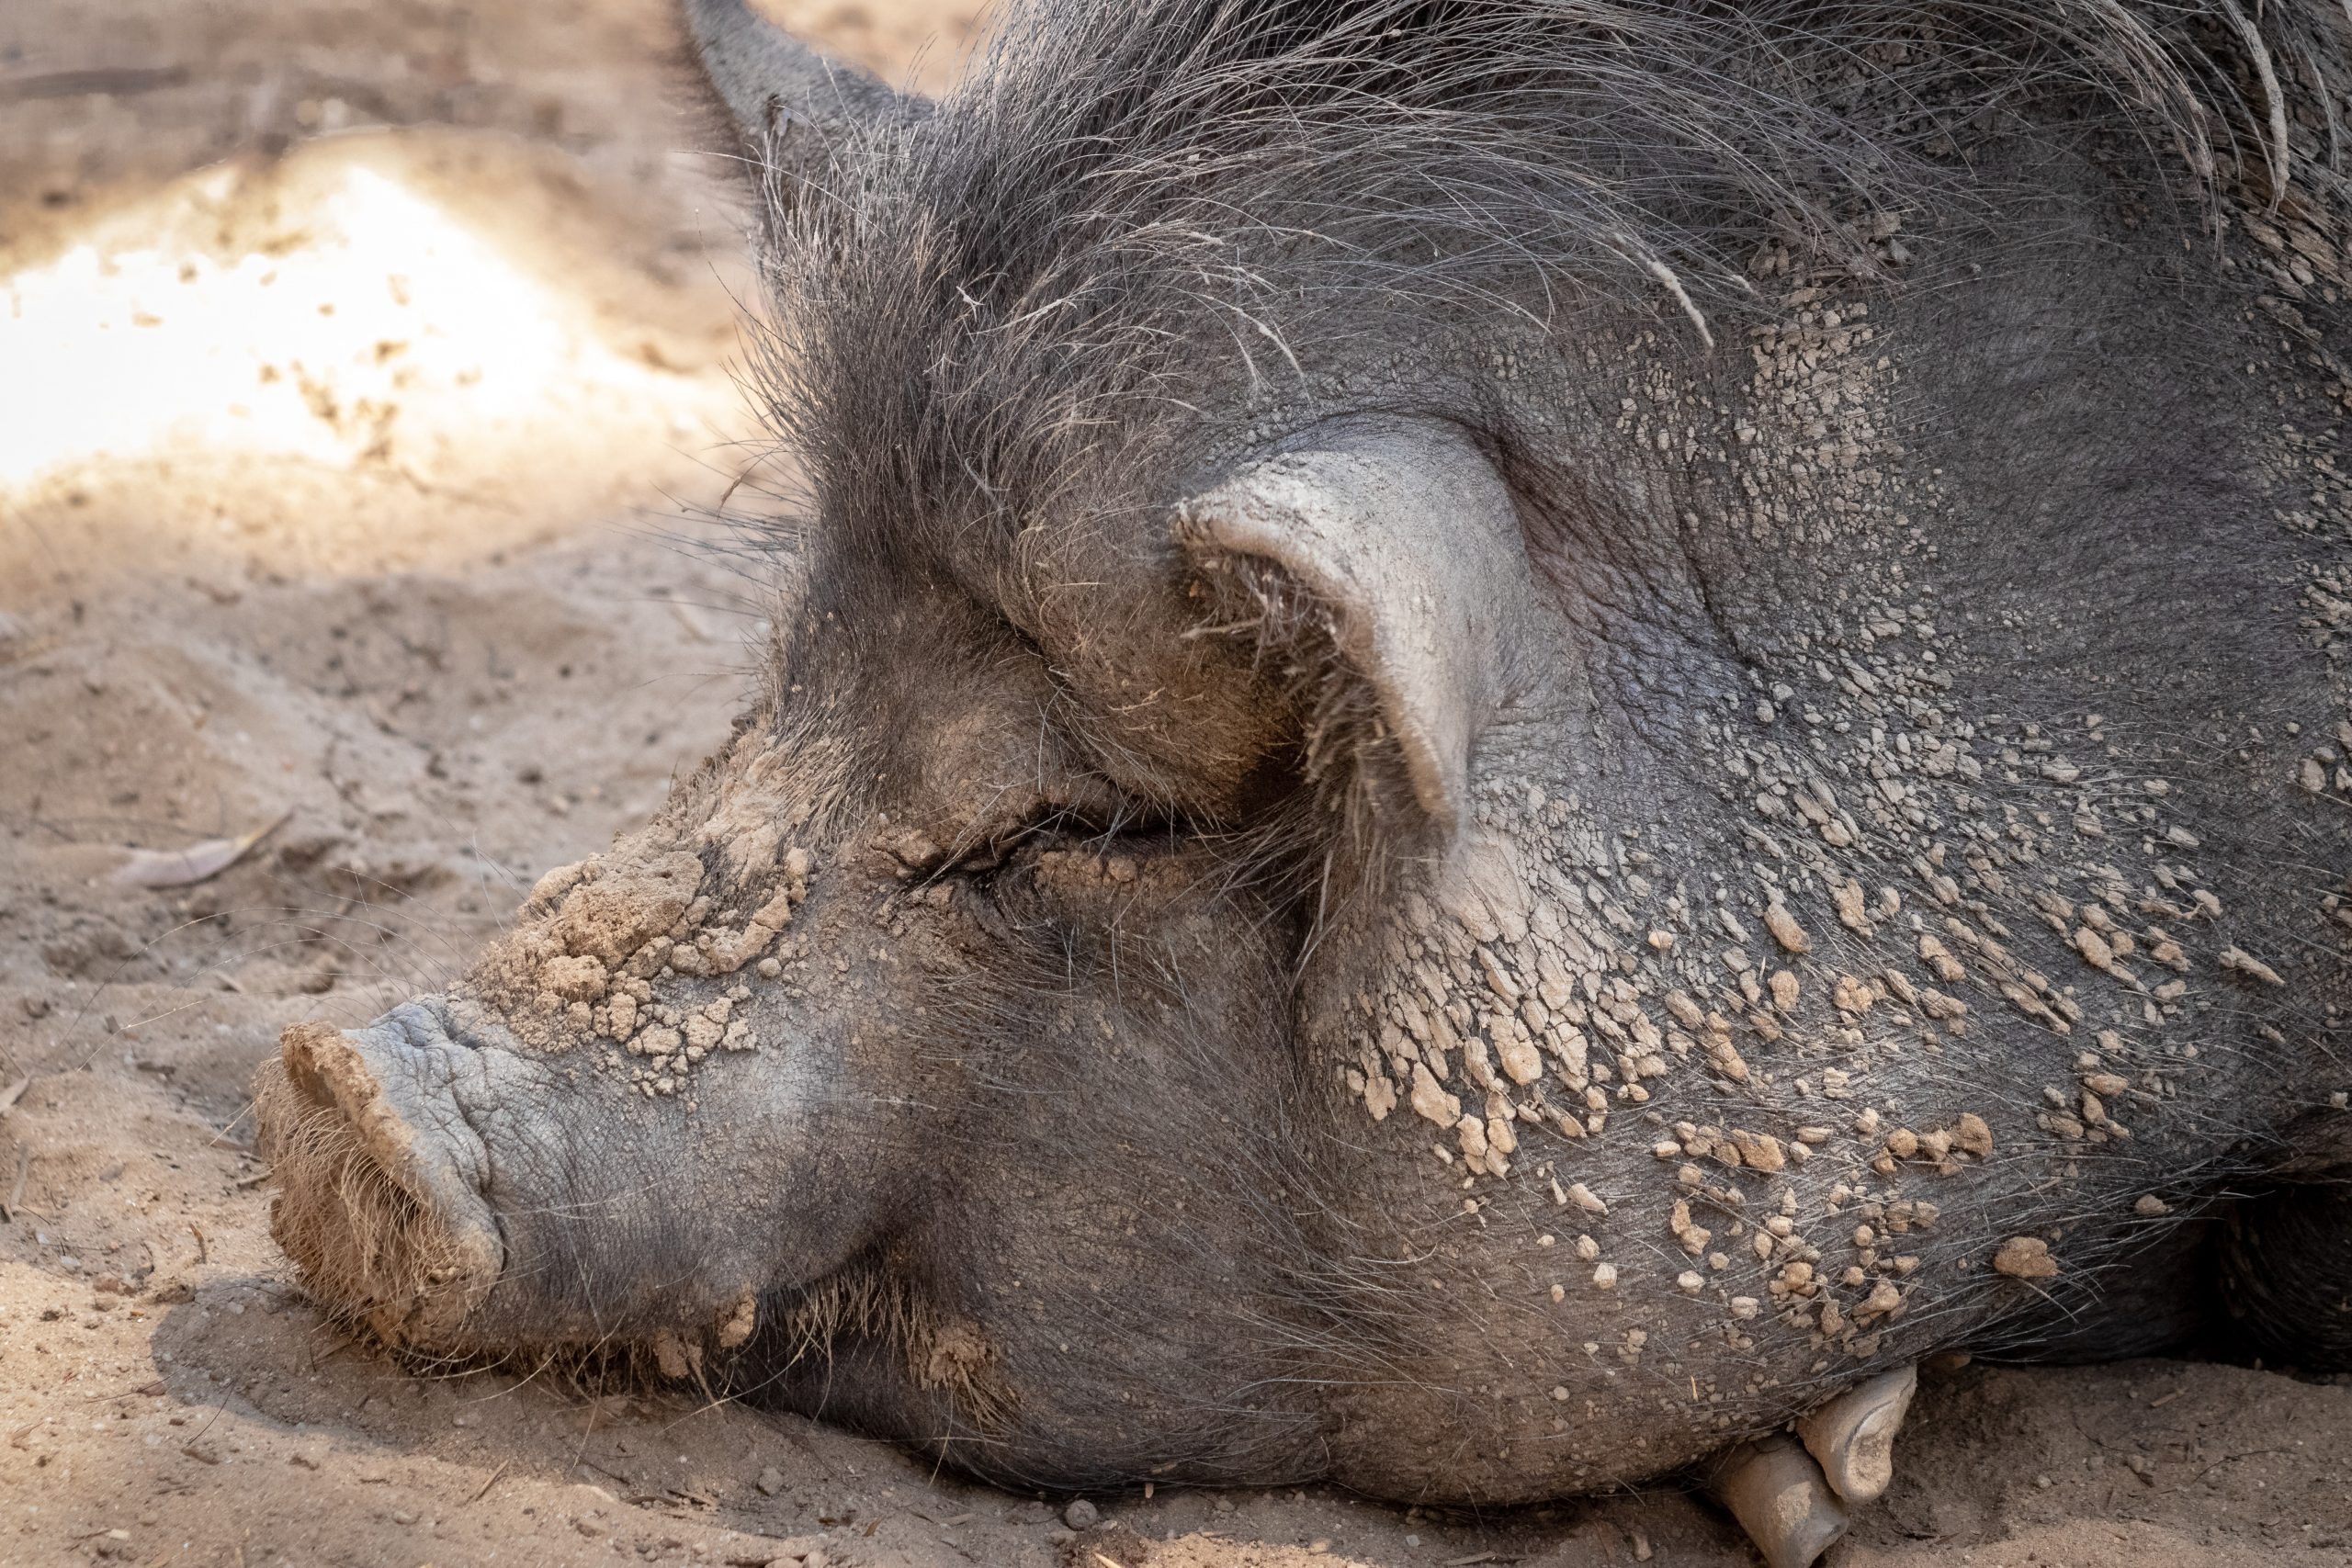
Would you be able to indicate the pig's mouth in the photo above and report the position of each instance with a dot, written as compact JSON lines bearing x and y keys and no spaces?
{"x":383,"y":1223}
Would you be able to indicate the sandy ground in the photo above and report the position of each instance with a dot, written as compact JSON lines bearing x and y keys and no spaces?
{"x":355,"y":365}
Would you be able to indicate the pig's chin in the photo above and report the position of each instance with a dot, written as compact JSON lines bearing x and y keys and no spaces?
{"x":378,"y":1201}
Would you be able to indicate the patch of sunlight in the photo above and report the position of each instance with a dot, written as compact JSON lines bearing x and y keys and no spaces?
{"x":373,"y":318}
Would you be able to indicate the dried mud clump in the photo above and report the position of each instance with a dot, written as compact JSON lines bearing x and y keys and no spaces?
{"x":605,"y":946}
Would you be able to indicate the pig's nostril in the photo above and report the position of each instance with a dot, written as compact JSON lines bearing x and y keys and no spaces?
{"x":355,"y":1209}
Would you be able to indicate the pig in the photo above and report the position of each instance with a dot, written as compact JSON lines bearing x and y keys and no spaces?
{"x":1506,"y":746}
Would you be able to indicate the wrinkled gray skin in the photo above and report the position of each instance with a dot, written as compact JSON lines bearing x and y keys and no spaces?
{"x":1893,"y":818}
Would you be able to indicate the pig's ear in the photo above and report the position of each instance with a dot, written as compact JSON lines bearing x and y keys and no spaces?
{"x":1405,"y":544}
{"x":786,"y":105}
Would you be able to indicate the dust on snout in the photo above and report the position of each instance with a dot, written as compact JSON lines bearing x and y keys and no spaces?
{"x":367,"y":1245}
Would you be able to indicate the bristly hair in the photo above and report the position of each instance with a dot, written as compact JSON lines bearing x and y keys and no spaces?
{"x":1132,"y":210}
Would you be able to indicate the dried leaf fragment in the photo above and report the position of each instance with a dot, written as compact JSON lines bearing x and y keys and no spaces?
{"x":182,"y":868}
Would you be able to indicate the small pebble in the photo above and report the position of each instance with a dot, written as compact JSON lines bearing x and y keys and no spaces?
{"x":1082,"y":1514}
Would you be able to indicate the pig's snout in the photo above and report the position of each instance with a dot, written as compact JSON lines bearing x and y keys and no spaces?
{"x":379,"y":1176}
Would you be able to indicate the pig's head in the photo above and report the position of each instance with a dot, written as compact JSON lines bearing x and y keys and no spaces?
{"x":930,"y":1061}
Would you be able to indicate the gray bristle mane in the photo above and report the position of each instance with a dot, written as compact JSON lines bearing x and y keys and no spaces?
{"x":1133,"y":210}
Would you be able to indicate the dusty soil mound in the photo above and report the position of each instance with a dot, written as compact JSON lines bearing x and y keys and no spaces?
{"x":334,"y":497}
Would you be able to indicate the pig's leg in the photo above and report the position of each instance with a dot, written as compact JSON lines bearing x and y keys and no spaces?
{"x":1852,"y":1436}
{"x":2287,"y":1274}
{"x":1778,"y":1495}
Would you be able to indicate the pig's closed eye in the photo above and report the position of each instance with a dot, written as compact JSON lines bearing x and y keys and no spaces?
{"x":1131,"y":830}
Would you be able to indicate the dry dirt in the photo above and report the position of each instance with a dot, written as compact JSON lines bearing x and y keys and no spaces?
{"x":358,"y":362}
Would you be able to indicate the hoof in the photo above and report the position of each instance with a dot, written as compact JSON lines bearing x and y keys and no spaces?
{"x":1852,"y":1436}
{"x":1777,"y":1494}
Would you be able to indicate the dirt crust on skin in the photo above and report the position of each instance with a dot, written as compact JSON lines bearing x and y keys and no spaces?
{"x":400,"y":580}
